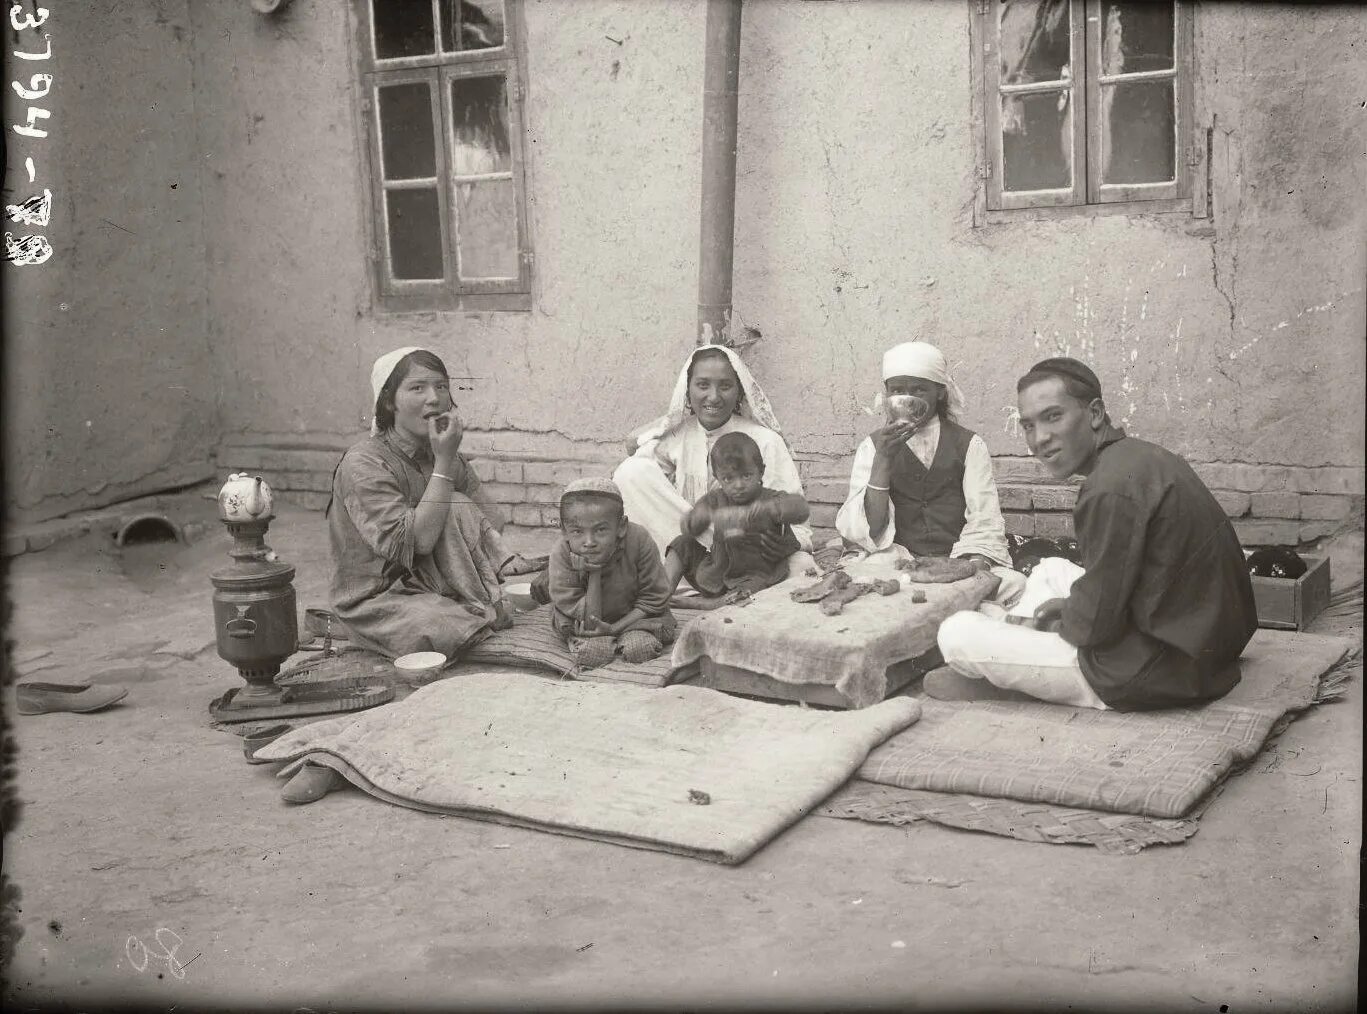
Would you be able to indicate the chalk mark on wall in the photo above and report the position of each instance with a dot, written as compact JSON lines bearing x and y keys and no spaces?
{"x":1317,"y":308}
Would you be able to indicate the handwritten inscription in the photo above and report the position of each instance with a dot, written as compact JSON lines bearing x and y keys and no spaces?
{"x":169,"y":942}
{"x":35,"y":211}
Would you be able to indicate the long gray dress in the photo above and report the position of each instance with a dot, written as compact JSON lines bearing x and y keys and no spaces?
{"x":391,"y":598}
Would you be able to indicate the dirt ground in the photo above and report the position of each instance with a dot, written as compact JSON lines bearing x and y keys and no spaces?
{"x":157,"y":868}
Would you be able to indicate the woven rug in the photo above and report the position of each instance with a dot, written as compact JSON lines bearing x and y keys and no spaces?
{"x":531,"y":641}
{"x":1119,"y":833}
{"x":682,"y":769}
{"x":1157,"y":764}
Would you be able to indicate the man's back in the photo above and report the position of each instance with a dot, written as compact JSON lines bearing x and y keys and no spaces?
{"x":1166,"y":605}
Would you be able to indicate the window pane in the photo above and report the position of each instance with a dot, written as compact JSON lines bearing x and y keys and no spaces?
{"x":1035,"y":41}
{"x":1136,"y":37}
{"x":479,"y":125}
{"x":414,"y":220}
{"x":402,"y":28}
{"x":486,"y":217}
{"x":1037,"y":141}
{"x":408,"y":149}
{"x":471,"y":24}
{"x":1138,"y":140}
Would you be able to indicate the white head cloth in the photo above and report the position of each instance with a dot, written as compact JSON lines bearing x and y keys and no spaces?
{"x":920,"y":359}
{"x":379,"y":374}
{"x":755,"y":405}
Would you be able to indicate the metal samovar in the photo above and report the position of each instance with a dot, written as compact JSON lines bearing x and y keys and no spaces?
{"x":255,"y":617}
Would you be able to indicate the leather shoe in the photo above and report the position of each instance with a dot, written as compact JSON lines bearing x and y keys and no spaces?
{"x":258,"y":738}
{"x":311,"y":783}
{"x":41,"y":698}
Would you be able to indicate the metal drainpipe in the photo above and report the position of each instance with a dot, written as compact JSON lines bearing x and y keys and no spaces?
{"x":721,"y":72}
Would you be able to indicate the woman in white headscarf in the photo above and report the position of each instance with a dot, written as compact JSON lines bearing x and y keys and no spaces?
{"x":926,"y":484}
{"x":669,"y":470}
{"x":417,"y":561}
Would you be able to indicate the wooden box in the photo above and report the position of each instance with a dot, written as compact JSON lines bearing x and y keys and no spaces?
{"x":1290,"y":605}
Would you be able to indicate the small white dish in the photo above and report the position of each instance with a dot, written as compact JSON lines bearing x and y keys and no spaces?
{"x":420,"y":661}
{"x":520,"y":595}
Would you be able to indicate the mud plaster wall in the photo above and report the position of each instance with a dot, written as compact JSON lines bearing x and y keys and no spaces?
{"x":109,"y":388}
{"x":1241,"y":342}
{"x":854,"y":229}
{"x":1236,"y":339}
{"x":613,"y":146}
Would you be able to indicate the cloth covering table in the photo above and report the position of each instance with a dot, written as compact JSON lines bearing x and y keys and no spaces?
{"x":795,"y":643}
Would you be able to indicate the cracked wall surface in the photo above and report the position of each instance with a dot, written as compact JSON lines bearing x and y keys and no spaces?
{"x":613,"y":110}
{"x":1233,"y":339}
{"x":1236,"y":338}
{"x":110,"y":388}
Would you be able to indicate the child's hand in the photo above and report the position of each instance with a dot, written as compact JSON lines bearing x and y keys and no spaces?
{"x":772,"y":547}
{"x":695,"y":522}
{"x":594,"y":627}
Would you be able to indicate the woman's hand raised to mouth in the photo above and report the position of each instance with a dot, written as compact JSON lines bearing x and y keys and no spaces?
{"x":445,"y":431}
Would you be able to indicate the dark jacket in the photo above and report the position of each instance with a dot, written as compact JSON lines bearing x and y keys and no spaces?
{"x":1166,"y":605}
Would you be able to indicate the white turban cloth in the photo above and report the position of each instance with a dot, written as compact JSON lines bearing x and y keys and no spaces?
{"x":379,"y":376}
{"x":926,"y":362}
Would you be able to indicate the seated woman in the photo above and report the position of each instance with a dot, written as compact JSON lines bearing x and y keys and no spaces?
{"x":927,"y":485}
{"x":417,"y":562}
{"x":671,"y":470}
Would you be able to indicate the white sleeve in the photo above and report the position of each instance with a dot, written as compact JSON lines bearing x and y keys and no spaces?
{"x":662,"y":451}
{"x":851,"y":521}
{"x":984,"y":530}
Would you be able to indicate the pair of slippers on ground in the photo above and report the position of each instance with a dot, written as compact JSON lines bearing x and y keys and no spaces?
{"x":308,"y":783}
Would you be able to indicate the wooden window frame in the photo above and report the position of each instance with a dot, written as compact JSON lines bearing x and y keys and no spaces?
{"x":438,"y":70}
{"x":1186,"y":194}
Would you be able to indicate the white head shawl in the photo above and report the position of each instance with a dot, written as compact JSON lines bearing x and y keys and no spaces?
{"x":755,"y":406}
{"x":379,"y":376}
{"x":920,"y":359}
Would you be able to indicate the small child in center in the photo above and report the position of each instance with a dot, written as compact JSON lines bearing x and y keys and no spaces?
{"x":608,"y":588}
{"x":752,"y":535}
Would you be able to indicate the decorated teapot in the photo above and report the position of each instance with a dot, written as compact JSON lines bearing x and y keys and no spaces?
{"x":244,"y":498}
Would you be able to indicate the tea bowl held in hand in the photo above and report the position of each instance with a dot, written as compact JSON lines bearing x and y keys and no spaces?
{"x":906,"y":408}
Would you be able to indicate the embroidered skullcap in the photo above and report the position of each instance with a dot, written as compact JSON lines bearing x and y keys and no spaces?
{"x":593,"y":484}
{"x":1065,"y":366}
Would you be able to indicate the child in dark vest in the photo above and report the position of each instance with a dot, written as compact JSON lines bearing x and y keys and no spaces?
{"x":607,"y":586}
{"x":923,"y":481}
{"x":747,"y":518}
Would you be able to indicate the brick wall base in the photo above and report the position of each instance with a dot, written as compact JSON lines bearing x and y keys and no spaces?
{"x":1269,"y":504}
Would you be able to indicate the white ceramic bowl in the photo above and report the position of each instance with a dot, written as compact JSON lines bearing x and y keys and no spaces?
{"x":520,"y":596}
{"x":420,"y":661}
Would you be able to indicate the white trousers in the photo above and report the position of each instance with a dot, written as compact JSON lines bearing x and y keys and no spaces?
{"x":651,"y":501}
{"x":1018,"y":658}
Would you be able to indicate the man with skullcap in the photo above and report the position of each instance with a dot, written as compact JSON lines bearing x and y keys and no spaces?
{"x":1162,"y":605}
